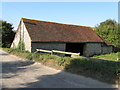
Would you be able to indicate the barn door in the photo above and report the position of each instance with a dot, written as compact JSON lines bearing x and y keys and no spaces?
{"x":75,"y":47}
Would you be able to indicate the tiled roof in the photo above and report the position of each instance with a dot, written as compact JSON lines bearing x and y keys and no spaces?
{"x":43,"y":31}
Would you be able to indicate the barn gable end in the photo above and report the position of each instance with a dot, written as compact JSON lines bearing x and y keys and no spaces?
{"x":22,"y":34}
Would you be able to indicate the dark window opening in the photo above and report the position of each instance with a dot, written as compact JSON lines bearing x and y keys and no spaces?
{"x":75,"y":48}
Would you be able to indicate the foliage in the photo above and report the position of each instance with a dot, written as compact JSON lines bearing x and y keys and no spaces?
{"x":30,"y":56}
{"x":21,"y":45}
{"x":109,"y":31}
{"x":64,"y":61}
{"x":7,"y":33}
{"x":0,"y":44}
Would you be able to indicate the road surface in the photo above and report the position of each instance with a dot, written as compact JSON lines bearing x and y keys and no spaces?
{"x":19,"y":73}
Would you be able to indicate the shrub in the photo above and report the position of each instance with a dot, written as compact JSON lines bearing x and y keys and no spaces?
{"x":63,"y":61}
{"x":30,"y":56}
{"x":54,"y":57}
{"x":21,"y":45}
{"x":0,"y":44}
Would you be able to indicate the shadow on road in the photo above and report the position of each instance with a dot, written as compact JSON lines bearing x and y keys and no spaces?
{"x":59,"y":80}
{"x":14,"y":67}
{"x":4,"y":54}
{"x":62,"y":80}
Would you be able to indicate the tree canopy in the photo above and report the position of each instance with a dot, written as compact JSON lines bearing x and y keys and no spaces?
{"x":7,"y":33}
{"x":109,"y":30}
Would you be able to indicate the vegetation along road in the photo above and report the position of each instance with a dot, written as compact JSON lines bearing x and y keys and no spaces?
{"x":19,"y":73}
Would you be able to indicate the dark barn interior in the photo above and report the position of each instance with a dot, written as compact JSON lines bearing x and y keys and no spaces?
{"x":75,"y":48}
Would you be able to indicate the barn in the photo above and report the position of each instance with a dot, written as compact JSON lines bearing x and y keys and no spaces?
{"x":37,"y":34}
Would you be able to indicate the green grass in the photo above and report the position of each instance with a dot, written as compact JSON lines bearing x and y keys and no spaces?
{"x":111,"y":56}
{"x":102,"y":70}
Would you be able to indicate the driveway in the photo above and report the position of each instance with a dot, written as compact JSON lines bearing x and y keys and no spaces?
{"x":19,"y":73}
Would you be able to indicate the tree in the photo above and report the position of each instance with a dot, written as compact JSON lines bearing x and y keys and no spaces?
{"x":7,"y":33}
{"x":109,"y":31}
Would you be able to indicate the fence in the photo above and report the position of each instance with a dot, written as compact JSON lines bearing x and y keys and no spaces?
{"x":56,"y":51}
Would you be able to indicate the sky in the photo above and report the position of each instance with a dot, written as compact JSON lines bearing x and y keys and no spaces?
{"x":77,"y":13}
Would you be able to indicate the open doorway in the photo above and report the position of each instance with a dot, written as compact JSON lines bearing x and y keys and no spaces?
{"x":75,"y":48}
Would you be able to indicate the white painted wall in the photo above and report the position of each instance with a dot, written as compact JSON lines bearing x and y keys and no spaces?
{"x":23,"y":34}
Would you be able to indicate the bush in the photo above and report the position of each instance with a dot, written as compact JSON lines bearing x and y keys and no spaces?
{"x":95,"y":69}
{"x":30,"y":56}
{"x":21,"y":45}
{"x":79,"y":61}
{"x":54,"y":57}
{"x":0,"y":44}
{"x":63,"y":61}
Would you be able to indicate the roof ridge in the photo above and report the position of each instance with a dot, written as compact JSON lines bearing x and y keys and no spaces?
{"x":57,"y":23}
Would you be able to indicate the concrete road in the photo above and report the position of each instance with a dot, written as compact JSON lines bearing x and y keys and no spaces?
{"x":19,"y":73}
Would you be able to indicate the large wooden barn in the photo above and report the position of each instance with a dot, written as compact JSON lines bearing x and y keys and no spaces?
{"x":46,"y":35}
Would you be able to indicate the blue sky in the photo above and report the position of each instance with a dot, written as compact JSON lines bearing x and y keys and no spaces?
{"x":80,"y":13}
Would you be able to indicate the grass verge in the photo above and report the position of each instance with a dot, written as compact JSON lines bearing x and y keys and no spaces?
{"x":111,"y":56}
{"x":107,"y":71}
